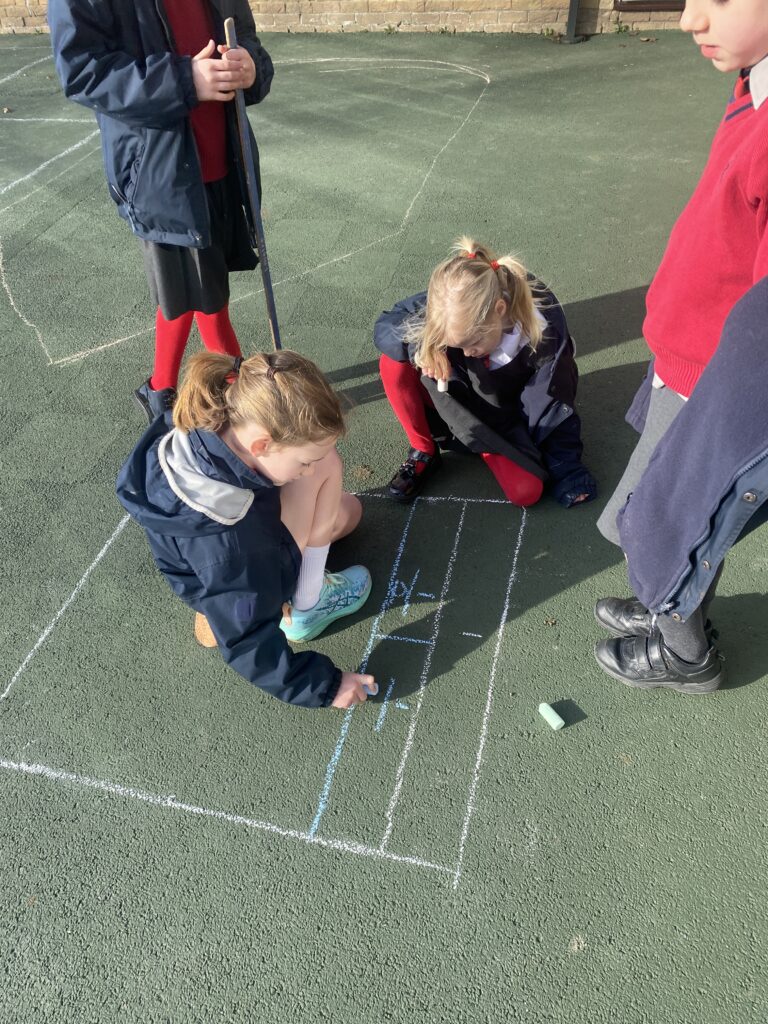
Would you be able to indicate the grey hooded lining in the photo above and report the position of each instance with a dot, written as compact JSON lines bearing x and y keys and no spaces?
{"x":224,"y":503}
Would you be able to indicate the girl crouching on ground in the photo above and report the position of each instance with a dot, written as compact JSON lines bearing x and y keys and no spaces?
{"x":498,"y":377}
{"x":240,"y":501}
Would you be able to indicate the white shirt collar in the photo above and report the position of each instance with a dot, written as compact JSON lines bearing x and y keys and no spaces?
{"x":758,"y":82}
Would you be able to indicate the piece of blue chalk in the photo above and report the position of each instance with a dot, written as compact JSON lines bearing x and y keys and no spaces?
{"x":371,"y":690}
{"x":551,"y":717}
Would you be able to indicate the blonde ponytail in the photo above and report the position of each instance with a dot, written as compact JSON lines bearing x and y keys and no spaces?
{"x":201,"y":402}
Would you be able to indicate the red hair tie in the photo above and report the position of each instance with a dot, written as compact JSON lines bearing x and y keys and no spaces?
{"x":471,"y":255}
{"x":494,"y":264}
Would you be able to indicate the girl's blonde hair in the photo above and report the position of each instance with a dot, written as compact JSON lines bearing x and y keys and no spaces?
{"x":282,"y":392}
{"x":462,"y":292}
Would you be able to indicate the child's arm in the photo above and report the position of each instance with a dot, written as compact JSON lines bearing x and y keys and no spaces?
{"x":389,"y":329}
{"x":240,"y":601}
{"x":571,"y":482}
{"x":151,"y":93}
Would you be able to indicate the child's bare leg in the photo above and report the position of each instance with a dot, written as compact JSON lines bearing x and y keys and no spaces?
{"x":315,"y":508}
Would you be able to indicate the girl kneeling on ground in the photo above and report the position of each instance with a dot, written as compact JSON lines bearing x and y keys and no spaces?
{"x":483,"y":362}
{"x":240,"y":499}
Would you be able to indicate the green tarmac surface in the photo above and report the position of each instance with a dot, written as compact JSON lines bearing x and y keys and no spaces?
{"x":177,"y":847}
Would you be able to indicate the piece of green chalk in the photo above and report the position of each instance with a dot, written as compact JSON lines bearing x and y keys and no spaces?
{"x":551,"y":717}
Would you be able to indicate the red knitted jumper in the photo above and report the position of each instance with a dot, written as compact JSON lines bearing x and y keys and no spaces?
{"x":192,"y":27}
{"x":717,"y":250}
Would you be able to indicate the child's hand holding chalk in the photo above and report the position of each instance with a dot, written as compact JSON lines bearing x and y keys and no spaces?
{"x":355,"y":688}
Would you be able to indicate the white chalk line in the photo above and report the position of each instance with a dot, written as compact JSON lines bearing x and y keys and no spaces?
{"x":52,"y":624}
{"x":403,"y":639}
{"x":20,"y":71}
{"x":6,"y":188}
{"x":434,"y":65}
{"x":7,"y":289}
{"x":39,"y":188}
{"x":395,"y":61}
{"x":429,"y":499}
{"x":47,"y":163}
{"x":171,"y":803}
{"x":333,"y":764}
{"x":400,"y":773}
{"x":472,"y":794}
{"x":3,"y":275}
{"x":46,"y":120}
{"x":385,"y":67}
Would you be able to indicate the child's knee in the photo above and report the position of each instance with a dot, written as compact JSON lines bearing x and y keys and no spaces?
{"x":526,"y":492}
{"x":330,"y":469}
{"x":349,"y":515}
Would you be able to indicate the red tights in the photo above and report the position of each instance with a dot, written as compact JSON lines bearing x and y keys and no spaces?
{"x":410,"y":399}
{"x":171,"y":338}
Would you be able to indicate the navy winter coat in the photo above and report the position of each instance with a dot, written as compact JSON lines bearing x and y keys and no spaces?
{"x":117,"y":57}
{"x":524,"y":411}
{"x":214,"y":528}
{"x":707,"y":482}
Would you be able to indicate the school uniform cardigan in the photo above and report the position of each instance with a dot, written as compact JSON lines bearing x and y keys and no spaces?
{"x":118,"y":58}
{"x":524,"y":410}
{"x":706,"y":485}
{"x":215,"y":533}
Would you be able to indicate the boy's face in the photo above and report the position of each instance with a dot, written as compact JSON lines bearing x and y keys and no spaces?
{"x":733,"y":34}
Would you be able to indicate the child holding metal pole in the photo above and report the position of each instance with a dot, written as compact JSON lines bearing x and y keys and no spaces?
{"x":693,"y":481}
{"x":161,"y":88}
{"x":240,"y":498}
{"x":483,"y":362}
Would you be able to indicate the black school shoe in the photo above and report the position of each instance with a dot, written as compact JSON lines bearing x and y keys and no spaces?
{"x":645,"y":663}
{"x":413,"y":474}
{"x":154,"y":403}
{"x":624,"y":617}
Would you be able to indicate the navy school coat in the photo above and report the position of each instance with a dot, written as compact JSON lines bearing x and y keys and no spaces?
{"x":116,"y":57}
{"x":216,"y":535}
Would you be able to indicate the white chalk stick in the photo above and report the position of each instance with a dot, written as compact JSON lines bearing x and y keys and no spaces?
{"x":442,"y":385}
{"x":551,"y":717}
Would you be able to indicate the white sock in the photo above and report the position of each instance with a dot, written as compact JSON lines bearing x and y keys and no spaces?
{"x":311,"y":576}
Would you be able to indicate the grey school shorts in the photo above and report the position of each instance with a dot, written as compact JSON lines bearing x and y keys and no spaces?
{"x":662,"y":409}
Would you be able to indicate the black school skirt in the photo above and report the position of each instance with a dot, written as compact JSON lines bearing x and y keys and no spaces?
{"x":181,"y":278}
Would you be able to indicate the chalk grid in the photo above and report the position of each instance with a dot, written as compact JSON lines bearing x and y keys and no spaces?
{"x":396,"y":591}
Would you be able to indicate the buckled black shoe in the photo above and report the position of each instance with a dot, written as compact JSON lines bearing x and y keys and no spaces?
{"x":154,"y":402}
{"x":413,"y":474}
{"x":645,"y":662}
{"x":624,"y":617}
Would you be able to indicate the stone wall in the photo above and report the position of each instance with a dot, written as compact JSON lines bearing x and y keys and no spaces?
{"x":548,"y":17}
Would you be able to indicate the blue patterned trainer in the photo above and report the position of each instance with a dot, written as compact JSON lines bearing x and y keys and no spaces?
{"x":342,"y":593}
